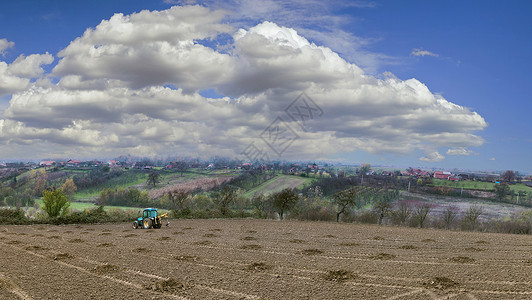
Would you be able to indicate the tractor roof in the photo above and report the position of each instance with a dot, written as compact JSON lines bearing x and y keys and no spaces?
{"x":150,"y":208}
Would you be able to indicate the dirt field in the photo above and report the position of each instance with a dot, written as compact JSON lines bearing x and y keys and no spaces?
{"x":261,"y":259}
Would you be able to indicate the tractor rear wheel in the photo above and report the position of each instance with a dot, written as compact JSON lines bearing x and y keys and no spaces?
{"x":148,"y":223}
{"x":135,"y":225}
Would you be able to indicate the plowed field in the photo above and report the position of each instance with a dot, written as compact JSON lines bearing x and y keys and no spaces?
{"x":261,"y":259}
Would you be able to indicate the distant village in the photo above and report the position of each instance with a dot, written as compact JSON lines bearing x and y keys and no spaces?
{"x":287,"y":167}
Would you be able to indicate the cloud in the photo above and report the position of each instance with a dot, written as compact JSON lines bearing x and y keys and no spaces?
{"x":317,"y":20}
{"x":432,"y":157}
{"x":460,"y":152}
{"x":148,"y":48}
{"x":420,"y":52}
{"x":30,"y":66}
{"x":4,"y":45}
{"x":492,"y":159}
{"x":17,"y":76}
{"x":133,"y":84}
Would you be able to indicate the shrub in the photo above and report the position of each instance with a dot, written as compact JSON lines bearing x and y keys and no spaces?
{"x":317,"y":214}
{"x":13,"y":216}
{"x":55,"y":202}
{"x":367,"y":217}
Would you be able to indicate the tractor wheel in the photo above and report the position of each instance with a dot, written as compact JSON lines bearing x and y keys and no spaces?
{"x":135,"y":225}
{"x":148,"y":223}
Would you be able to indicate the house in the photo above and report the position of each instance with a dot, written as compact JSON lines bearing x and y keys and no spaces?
{"x":113,"y":163}
{"x":73,"y":163}
{"x":47,"y":163}
{"x":442,"y":175}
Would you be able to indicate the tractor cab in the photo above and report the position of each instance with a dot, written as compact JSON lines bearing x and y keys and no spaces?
{"x":150,"y":219}
{"x":149,"y":213}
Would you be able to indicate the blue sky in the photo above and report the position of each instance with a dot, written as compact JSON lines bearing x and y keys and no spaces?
{"x":474,"y":54}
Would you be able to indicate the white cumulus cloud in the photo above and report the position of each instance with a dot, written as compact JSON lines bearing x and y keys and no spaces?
{"x":4,"y":45}
{"x":134,"y":84}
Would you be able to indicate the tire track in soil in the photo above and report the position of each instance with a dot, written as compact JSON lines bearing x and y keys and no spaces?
{"x":11,"y":287}
{"x":225,"y":246}
{"x":410,"y":280}
{"x":412,"y":292}
{"x":294,"y":251}
{"x":236,"y":294}
{"x":83,"y":270}
{"x":211,"y":289}
{"x":153,"y":276}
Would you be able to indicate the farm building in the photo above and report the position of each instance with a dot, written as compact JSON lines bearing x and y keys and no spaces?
{"x":442,"y":175}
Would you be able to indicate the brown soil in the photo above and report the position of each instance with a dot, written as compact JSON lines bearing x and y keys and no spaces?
{"x":404,"y":263}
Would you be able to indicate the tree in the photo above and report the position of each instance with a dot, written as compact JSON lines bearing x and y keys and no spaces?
{"x":40,"y":183}
{"x":501,"y":190}
{"x":182,"y":166}
{"x":449,"y":216}
{"x":284,"y":201}
{"x":69,"y":187}
{"x":55,"y":202}
{"x":261,"y":204}
{"x":420,"y":213}
{"x":472,"y":215}
{"x":153,"y":178}
{"x":508,"y":176}
{"x":382,"y":208}
{"x":383,"y":204}
{"x":364,"y":169}
{"x":224,"y":198}
{"x":403,"y":211}
{"x":179,"y":199}
{"x":344,"y":199}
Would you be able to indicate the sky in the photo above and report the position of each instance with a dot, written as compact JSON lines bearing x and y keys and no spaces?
{"x":433,"y":84}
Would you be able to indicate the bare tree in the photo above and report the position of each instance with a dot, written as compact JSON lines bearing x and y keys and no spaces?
{"x":182,"y":166}
{"x":420,"y":213}
{"x":383,"y":205}
{"x":403,"y":211}
{"x":472,"y":215}
{"x":179,"y":199}
{"x":509,"y":176}
{"x":449,"y":216}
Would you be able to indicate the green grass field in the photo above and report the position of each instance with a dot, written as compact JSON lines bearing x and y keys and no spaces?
{"x":478,"y":185}
{"x":279,"y":183}
{"x":86,"y":205}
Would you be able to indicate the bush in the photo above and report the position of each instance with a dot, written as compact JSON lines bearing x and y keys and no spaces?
{"x":55,"y":202}
{"x":367,"y":217}
{"x":317,"y":214}
{"x":13,"y":216}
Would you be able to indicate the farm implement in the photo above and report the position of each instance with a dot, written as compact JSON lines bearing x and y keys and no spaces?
{"x":150,"y":219}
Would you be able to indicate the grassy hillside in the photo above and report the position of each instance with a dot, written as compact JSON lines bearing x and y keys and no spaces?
{"x":279,"y":183}
{"x":478,"y":185}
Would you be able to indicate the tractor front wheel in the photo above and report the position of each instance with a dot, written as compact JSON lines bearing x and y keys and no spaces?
{"x":148,"y":223}
{"x":135,"y":225}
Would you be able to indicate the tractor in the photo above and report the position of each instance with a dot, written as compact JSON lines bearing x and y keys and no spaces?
{"x":150,"y":219}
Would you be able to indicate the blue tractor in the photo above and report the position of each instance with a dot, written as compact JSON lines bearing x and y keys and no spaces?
{"x":150,"y":219}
